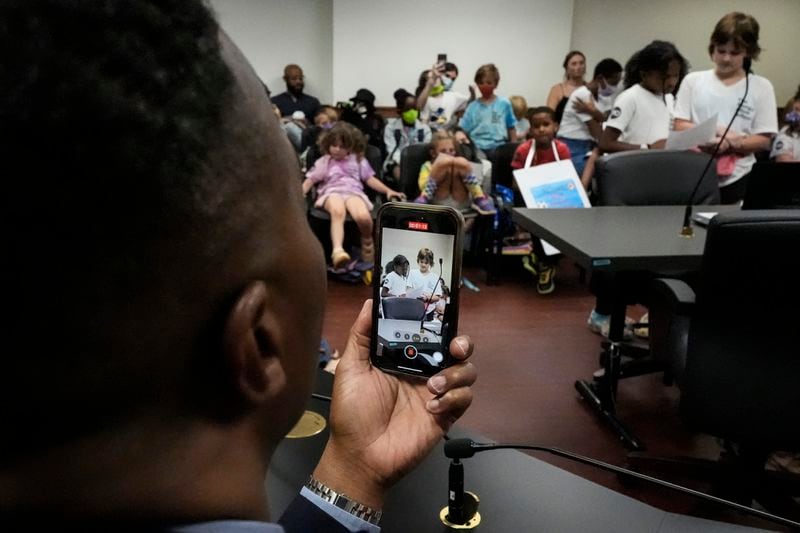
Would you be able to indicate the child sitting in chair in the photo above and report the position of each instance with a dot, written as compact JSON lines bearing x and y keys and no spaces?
{"x":340,"y":176}
{"x":449,"y":179}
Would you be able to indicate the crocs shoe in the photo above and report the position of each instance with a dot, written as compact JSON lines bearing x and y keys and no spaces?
{"x":531,"y":263}
{"x":484,"y":205}
{"x":421,"y":200}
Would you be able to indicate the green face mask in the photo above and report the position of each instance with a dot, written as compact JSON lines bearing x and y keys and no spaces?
{"x":410,"y":116}
{"x":437,"y":90}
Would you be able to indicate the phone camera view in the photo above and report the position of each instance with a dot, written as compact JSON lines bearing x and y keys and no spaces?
{"x":414,"y":298}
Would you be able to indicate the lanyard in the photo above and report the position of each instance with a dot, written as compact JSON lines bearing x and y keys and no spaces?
{"x":532,"y":153}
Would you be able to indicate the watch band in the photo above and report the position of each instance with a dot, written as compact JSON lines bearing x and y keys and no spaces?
{"x":368,"y":514}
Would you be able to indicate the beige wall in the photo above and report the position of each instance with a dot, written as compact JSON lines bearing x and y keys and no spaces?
{"x":617,"y":28}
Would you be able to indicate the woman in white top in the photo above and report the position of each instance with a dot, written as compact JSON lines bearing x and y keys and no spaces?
{"x":702,"y":95}
{"x":642,"y":114}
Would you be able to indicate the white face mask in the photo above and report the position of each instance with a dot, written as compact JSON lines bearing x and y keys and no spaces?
{"x":447,"y":83}
{"x":608,"y":90}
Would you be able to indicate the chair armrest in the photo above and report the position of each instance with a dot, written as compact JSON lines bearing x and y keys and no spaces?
{"x":675,"y":294}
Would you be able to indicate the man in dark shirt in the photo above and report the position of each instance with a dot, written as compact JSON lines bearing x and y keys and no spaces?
{"x":164,"y":293}
{"x":294,"y":99}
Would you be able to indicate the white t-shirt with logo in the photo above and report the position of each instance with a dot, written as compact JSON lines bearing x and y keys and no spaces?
{"x":787,"y":143}
{"x":397,"y":284}
{"x":439,"y":110}
{"x":641,"y":116}
{"x":702,"y":95}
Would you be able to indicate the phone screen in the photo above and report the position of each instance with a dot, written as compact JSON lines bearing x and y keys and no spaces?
{"x":416,"y":284}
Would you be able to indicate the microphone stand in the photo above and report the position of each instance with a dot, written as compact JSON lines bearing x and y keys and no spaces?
{"x":457,"y":449}
{"x":687,"y":230}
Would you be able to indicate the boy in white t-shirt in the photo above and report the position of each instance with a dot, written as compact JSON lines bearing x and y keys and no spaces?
{"x":642,"y":114}
{"x":733,"y":46}
{"x":582,"y":120}
{"x":424,"y":278}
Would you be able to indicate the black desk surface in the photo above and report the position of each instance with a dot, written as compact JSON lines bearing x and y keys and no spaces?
{"x":517,"y":492}
{"x":620,"y":237}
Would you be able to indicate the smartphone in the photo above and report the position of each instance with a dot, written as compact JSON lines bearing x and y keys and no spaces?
{"x":416,"y":282}
{"x":441,"y":59}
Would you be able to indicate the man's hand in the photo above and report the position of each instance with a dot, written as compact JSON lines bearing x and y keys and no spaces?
{"x":383,"y":425}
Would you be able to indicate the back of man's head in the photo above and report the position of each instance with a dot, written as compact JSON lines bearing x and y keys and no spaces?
{"x":111,"y":116}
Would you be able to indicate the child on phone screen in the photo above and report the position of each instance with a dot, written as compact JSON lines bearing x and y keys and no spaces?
{"x":449,"y":179}
{"x":427,"y":280}
{"x":396,"y":282}
{"x":340,"y":176}
{"x":540,"y":149}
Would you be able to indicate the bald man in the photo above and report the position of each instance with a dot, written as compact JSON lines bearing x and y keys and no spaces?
{"x":294,"y":99}
{"x":162,"y":290}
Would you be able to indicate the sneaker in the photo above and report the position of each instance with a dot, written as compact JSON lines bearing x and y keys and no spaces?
{"x":598,"y":323}
{"x":421,"y":200}
{"x":546,"y":283}
{"x":483,"y":205}
{"x":339,"y":258}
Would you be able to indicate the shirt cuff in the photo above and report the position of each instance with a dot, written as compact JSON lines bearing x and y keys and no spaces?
{"x":349,"y":521}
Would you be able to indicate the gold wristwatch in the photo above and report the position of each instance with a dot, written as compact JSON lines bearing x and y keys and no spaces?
{"x":368,"y":514}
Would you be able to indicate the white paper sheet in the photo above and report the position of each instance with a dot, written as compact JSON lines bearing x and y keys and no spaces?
{"x":701,"y":134}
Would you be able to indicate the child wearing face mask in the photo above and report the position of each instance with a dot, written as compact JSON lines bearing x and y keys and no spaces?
{"x":340,"y":176}
{"x":402,"y":131}
{"x":489,"y":120}
{"x":642,"y":114}
{"x":581,"y":123}
{"x":439,"y":105}
{"x":787,"y":144}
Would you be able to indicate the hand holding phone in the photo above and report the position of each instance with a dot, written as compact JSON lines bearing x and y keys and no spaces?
{"x":419,"y":252}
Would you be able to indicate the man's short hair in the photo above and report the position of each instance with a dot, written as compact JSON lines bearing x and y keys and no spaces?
{"x":607,"y":68}
{"x":112,"y":121}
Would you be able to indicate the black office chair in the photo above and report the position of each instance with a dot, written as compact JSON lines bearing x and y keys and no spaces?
{"x":403,"y":308}
{"x":502,"y":173}
{"x":654,"y":177}
{"x":320,"y":220}
{"x":733,"y":348}
{"x":411,"y":160}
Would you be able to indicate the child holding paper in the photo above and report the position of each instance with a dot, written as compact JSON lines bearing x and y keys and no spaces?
{"x":541,"y":149}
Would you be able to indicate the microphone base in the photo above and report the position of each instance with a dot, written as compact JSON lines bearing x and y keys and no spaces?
{"x":471,"y":502}
{"x":687,"y":232}
{"x":310,"y":424}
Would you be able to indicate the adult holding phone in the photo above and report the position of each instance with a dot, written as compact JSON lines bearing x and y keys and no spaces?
{"x":439,"y":105}
{"x":184,"y":318}
{"x":733,"y":47}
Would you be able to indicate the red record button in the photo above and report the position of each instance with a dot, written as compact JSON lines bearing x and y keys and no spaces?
{"x":410,"y":352}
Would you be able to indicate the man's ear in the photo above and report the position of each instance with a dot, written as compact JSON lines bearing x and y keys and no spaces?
{"x":251,"y":346}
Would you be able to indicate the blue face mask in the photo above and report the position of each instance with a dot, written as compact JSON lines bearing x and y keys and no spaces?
{"x":447,"y":82}
{"x":792,"y":117}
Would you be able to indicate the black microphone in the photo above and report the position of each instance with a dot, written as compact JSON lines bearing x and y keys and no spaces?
{"x":425,"y":307}
{"x":687,"y":230}
{"x":457,"y":449}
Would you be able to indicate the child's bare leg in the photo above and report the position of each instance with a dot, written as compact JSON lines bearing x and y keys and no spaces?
{"x":363,"y":218}
{"x":334,"y":205}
